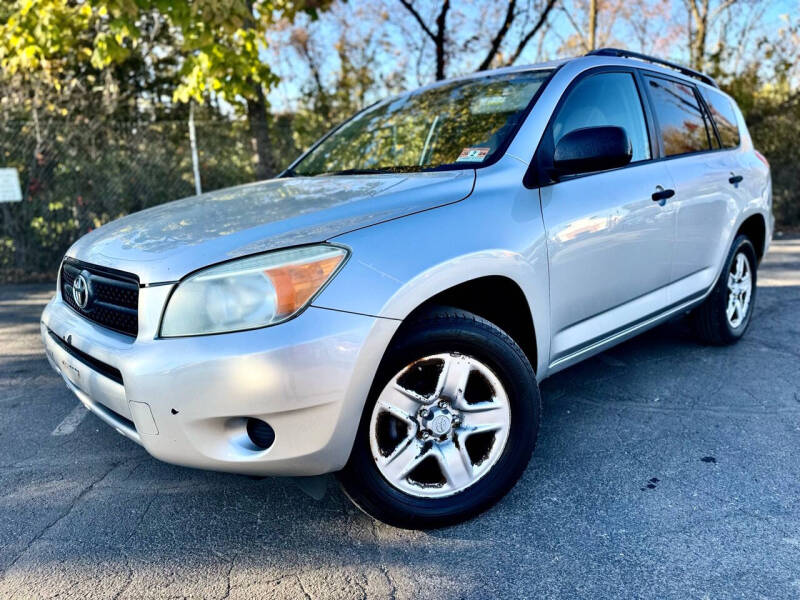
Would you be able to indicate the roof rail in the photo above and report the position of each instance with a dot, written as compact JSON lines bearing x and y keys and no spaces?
{"x":659,"y":61}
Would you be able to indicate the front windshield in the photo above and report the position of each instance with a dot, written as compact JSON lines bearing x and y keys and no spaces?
{"x":458,"y":124}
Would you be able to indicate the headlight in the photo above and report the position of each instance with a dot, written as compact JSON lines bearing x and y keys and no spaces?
{"x":251,"y":292}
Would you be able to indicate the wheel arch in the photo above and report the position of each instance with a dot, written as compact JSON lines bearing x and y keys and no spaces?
{"x":755,"y":228}
{"x":479,"y":296}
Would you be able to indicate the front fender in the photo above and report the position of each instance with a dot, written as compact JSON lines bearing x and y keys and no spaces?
{"x":397,"y":266}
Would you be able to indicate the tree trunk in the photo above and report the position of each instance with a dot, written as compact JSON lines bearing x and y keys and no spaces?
{"x":198,"y":186}
{"x":700,"y":45}
{"x":257,"y":120}
{"x":439,"y":40}
{"x":259,"y":134}
{"x":698,"y":11}
{"x":592,"y":25}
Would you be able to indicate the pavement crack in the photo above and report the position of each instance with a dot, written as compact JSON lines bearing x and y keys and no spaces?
{"x":228,"y":580}
{"x":141,"y":518}
{"x":390,"y":581}
{"x":302,"y":587}
{"x":775,"y":347}
{"x":382,"y":562}
{"x":361,"y":587}
{"x":129,"y":580}
{"x":61,"y":517}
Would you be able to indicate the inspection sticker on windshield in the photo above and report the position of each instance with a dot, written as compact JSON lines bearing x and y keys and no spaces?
{"x":473,"y":154}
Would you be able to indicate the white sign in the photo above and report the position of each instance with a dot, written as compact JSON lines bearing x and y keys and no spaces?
{"x":9,"y":186}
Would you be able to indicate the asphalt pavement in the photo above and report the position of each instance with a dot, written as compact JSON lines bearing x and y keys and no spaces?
{"x":664,"y":469}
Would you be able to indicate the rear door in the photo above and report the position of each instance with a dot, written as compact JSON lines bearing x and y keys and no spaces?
{"x":704,"y":202}
{"x":609,"y":242}
{"x":745,"y":170}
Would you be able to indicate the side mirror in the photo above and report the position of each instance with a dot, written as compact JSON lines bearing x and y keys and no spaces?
{"x":592,"y":149}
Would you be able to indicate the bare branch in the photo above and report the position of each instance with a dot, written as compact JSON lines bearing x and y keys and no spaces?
{"x":439,"y":39}
{"x":499,"y":36}
{"x":756,"y":14}
{"x":533,"y":31}
{"x":721,"y":8}
{"x":410,"y":8}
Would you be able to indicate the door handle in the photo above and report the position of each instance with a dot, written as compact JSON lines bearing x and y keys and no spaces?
{"x":734,"y":179}
{"x":662,"y":195}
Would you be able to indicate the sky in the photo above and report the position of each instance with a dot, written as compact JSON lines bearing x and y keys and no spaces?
{"x":385,"y":31}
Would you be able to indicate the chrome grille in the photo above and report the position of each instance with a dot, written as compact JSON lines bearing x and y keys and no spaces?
{"x":113,"y":296}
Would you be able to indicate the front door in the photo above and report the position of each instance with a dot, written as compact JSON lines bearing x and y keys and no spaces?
{"x":609,"y":242}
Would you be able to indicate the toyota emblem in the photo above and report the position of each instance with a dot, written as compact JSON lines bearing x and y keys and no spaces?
{"x":441,"y":424}
{"x":80,"y":291}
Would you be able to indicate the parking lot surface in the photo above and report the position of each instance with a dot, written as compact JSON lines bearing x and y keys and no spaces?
{"x":664,"y":469}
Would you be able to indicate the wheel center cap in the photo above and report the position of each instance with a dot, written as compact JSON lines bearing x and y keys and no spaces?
{"x":440,"y":424}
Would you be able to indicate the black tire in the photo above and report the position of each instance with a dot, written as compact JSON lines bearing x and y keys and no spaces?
{"x":448,"y":330}
{"x":710,"y":319}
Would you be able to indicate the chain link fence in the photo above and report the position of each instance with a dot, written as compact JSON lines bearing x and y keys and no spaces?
{"x":78,"y":175}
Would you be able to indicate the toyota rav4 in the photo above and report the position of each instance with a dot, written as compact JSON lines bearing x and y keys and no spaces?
{"x":386,"y":307}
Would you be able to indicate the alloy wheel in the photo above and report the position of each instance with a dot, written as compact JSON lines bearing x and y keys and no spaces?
{"x":439,"y":425}
{"x":740,"y":290}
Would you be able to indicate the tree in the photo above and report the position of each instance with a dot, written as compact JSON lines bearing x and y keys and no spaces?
{"x":593,"y":23}
{"x":218,"y":45}
{"x":702,"y":16}
{"x":437,"y":36}
{"x":333,"y":66}
{"x":441,"y":36}
{"x":765,"y":85}
{"x":652,"y":28}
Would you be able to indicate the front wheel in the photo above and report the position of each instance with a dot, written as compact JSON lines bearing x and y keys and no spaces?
{"x":449,"y":426}
{"x":725,"y":313}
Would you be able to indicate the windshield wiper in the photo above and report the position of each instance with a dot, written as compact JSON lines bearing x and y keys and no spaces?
{"x":362,"y":171}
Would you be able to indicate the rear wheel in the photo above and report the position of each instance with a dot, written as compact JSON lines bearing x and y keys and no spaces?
{"x":725,"y":315}
{"x":449,"y":426}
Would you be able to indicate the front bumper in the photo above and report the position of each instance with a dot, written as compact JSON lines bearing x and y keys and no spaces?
{"x":186,"y":400}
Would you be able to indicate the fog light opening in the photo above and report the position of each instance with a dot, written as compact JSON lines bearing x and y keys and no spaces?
{"x":260,"y":433}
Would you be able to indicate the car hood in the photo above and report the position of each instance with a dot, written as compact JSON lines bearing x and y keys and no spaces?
{"x":168,"y":241}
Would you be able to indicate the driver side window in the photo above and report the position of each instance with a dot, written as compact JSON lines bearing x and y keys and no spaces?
{"x":605,"y":99}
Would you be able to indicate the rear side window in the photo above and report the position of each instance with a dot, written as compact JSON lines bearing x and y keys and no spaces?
{"x":724,"y":116}
{"x":605,"y":99}
{"x":681,"y":122}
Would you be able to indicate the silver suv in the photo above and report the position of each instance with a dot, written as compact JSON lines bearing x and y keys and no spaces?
{"x":386,"y":307}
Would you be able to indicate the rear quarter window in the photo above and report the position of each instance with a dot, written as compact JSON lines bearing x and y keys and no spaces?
{"x":724,"y":115}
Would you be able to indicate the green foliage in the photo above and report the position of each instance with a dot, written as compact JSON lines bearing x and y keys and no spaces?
{"x":221,"y":42}
{"x":94,"y":93}
{"x":774,"y":123}
{"x":40,"y":36}
{"x":86,"y":173}
{"x":6,"y":252}
{"x":93,"y":109}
